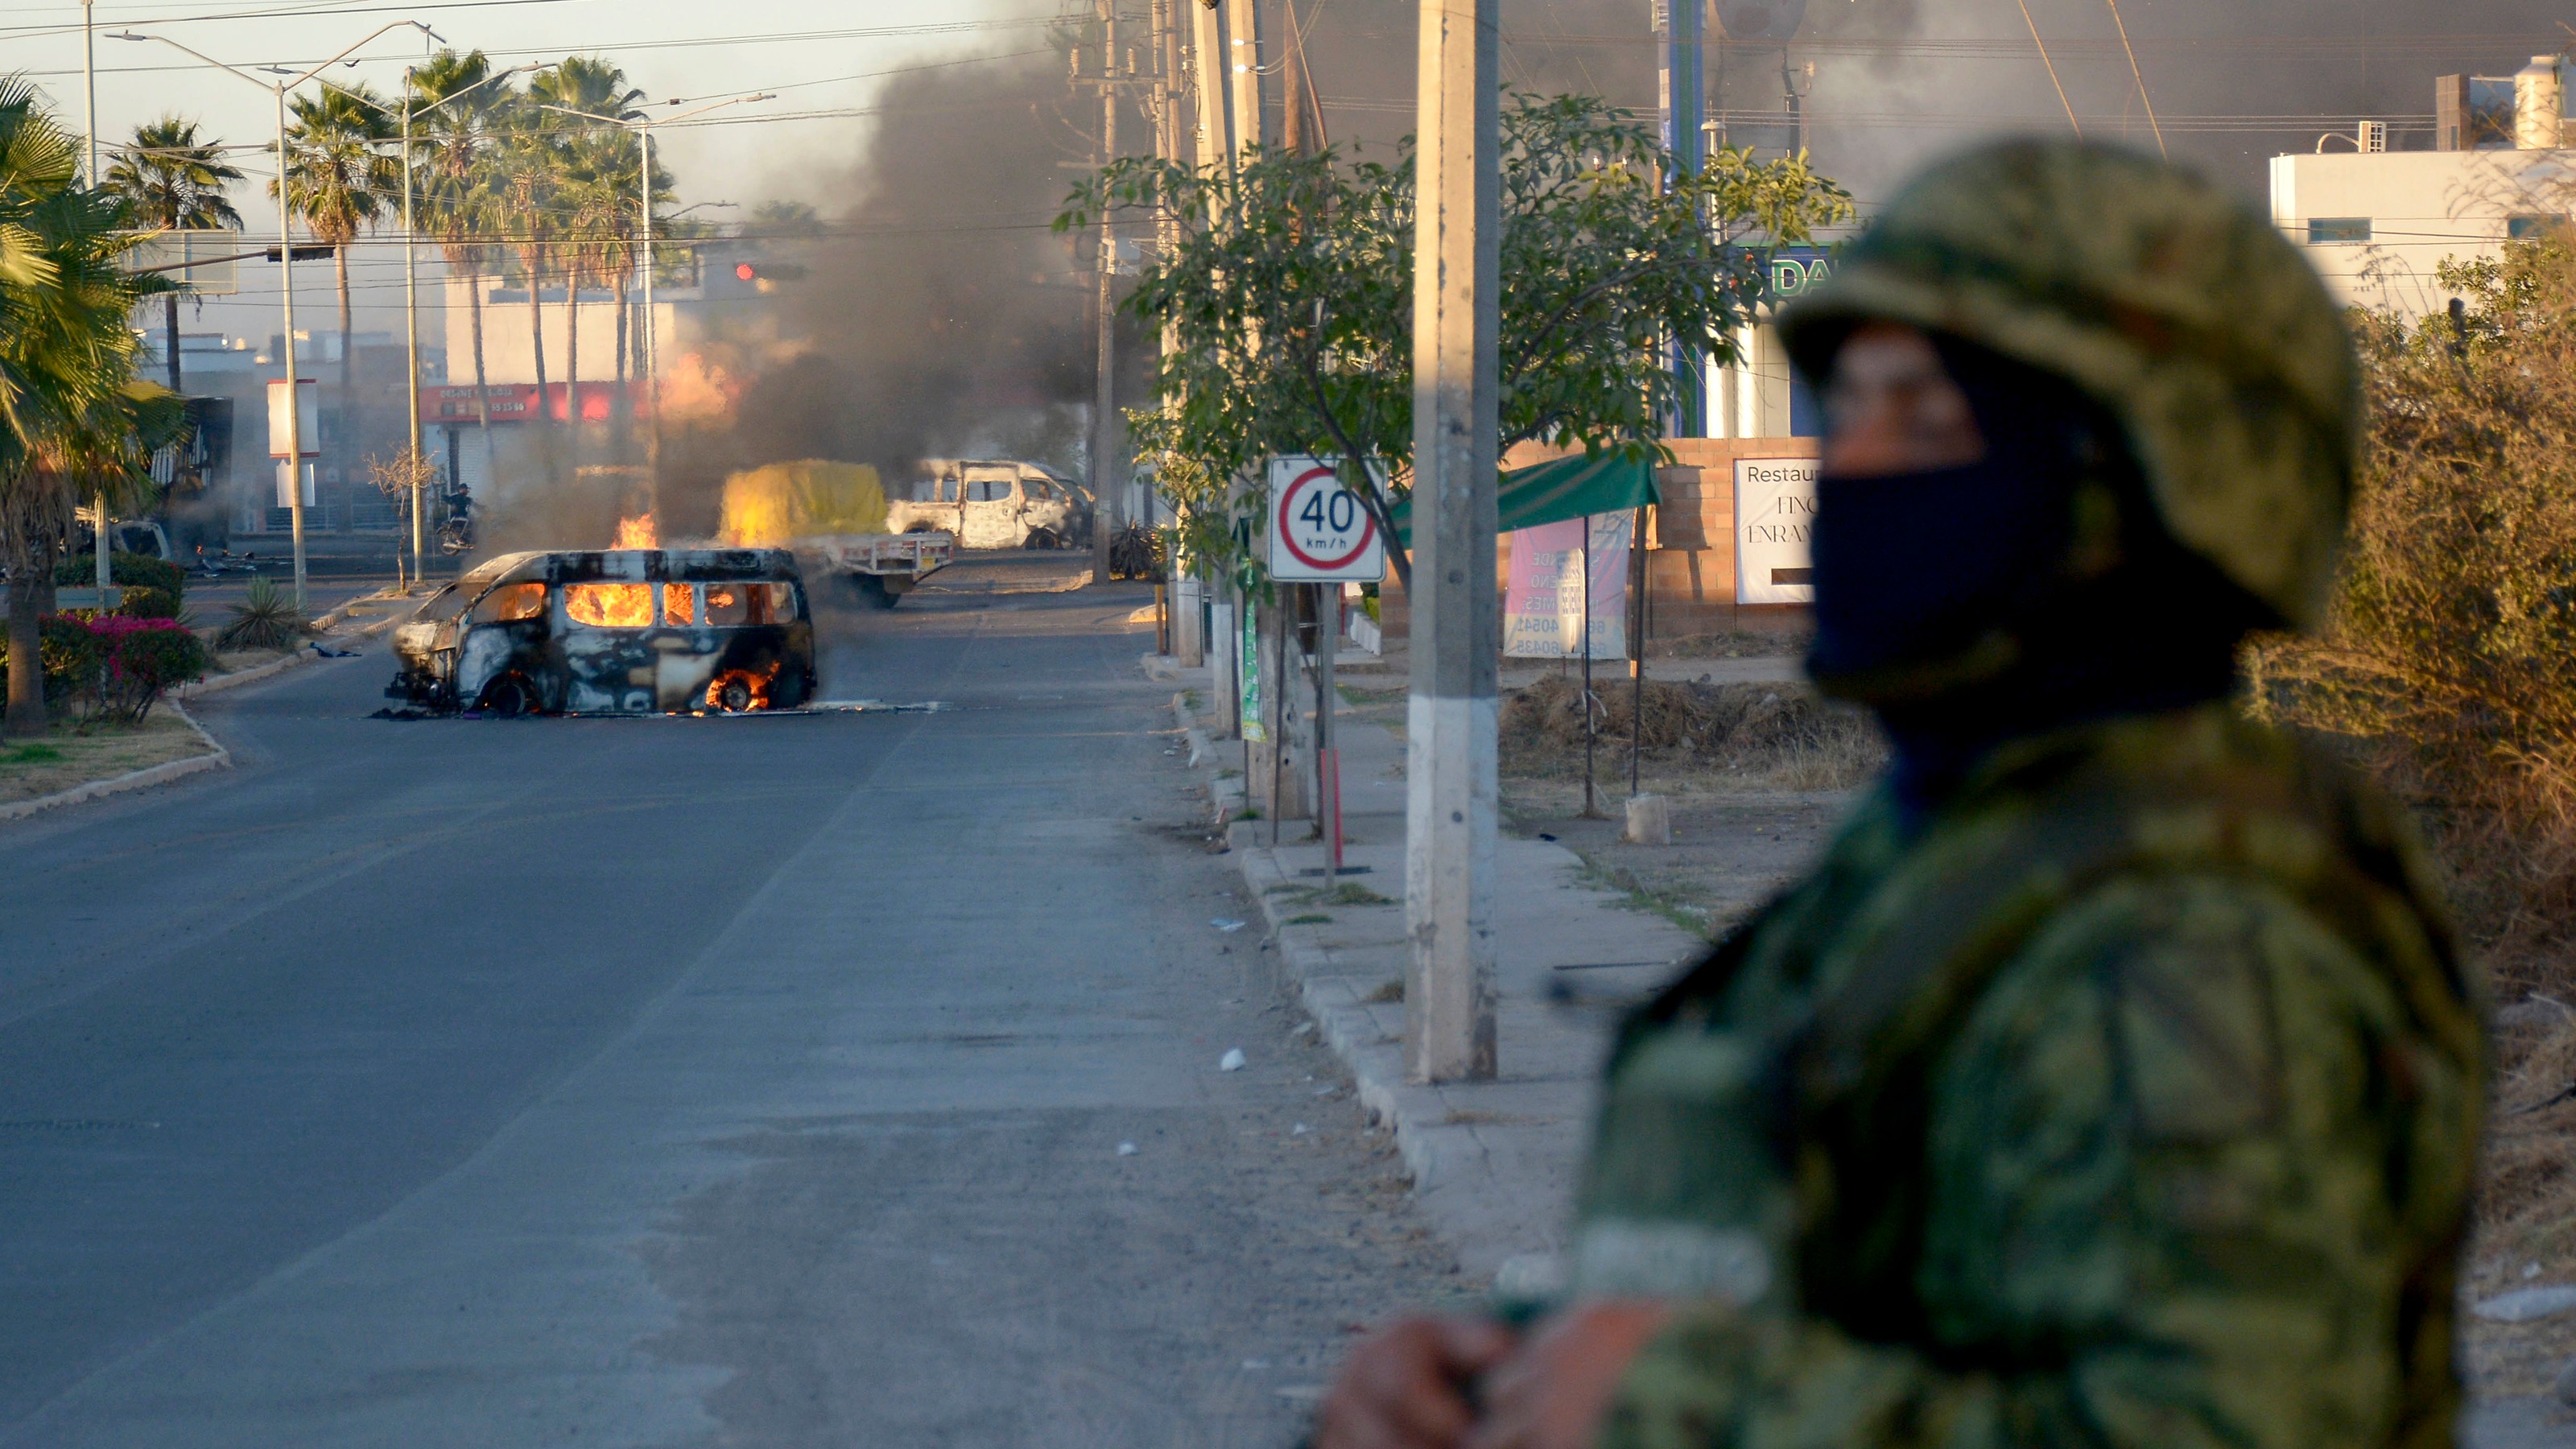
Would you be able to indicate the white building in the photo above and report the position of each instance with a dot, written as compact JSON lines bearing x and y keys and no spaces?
{"x":2378,"y":224}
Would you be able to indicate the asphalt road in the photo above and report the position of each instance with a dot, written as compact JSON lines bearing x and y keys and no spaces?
{"x":677,"y":1081}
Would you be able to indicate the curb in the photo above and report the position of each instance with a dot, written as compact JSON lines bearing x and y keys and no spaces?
{"x":148,"y":776}
{"x":1453,"y":1165}
{"x":254,"y":674}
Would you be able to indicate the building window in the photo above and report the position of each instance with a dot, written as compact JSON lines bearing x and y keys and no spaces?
{"x":2530,"y":228}
{"x":2328,"y":230}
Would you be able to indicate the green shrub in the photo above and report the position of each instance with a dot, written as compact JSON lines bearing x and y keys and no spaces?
{"x":143,"y":657}
{"x":71,"y":656}
{"x":142,"y":601}
{"x":266,"y":618}
{"x":125,"y":570}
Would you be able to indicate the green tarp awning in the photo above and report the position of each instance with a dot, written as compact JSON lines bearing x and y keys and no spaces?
{"x":1553,"y":492}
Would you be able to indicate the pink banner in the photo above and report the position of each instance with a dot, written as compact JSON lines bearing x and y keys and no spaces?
{"x":1553,"y":578}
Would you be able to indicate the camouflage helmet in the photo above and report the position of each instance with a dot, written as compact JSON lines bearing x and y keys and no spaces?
{"x":2176,"y":306}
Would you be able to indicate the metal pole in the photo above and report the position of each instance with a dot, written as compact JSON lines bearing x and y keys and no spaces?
{"x":294,"y":400}
{"x":1591,"y":808}
{"x":1637,"y":577}
{"x":1449,"y":742}
{"x":652,"y":356}
{"x":411,"y":335}
{"x":99,"y":539}
{"x":1104,"y":401}
{"x":1684,"y":98}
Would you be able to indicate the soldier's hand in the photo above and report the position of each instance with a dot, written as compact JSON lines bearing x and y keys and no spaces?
{"x":1554,"y":1393}
{"x":1405,"y":1386}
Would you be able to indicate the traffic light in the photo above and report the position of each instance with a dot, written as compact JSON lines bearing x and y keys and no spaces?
{"x":766,"y":275}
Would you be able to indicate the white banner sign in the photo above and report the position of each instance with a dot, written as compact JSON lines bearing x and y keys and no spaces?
{"x":308,"y":421}
{"x":1319,"y":531}
{"x":1775,"y":515}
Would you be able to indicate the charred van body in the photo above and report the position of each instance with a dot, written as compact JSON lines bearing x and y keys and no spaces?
{"x":613,"y":631}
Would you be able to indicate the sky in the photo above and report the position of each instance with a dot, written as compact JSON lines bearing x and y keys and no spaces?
{"x":823,"y":58}
{"x":1897,"y":80}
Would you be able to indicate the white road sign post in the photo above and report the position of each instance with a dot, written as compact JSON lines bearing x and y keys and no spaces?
{"x":1321,"y":534}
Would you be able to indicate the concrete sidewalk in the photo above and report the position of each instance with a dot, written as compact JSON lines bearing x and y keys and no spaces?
{"x":1493,"y":1163}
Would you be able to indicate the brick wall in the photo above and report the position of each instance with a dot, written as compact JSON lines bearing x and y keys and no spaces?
{"x":1690,"y":539}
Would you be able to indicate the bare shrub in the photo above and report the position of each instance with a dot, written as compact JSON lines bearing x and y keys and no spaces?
{"x":2449,"y":662}
{"x":1775,"y":734}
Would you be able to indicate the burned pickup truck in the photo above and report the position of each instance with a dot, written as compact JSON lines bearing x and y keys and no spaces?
{"x":613,"y":631}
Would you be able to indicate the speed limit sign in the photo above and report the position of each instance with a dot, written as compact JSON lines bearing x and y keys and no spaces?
{"x":1320,"y":533}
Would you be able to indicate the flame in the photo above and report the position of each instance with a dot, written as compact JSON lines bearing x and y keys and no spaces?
{"x":756,"y":683}
{"x":617,"y":606}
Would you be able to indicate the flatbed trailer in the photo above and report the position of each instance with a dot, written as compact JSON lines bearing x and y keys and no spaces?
{"x":878,"y":568}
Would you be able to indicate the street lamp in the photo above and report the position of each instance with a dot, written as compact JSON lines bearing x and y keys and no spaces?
{"x":285,"y":264}
{"x":643,"y":129}
{"x":411,"y":282}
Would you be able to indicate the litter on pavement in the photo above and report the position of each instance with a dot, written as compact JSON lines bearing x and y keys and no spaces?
{"x":1232,"y":1061}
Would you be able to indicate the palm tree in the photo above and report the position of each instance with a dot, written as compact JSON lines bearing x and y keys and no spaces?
{"x":586,"y":191}
{"x":339,"y":179}
{"x":72,"y":416}
{"x":458,"y":196}
{"x":172,"y":181}
{"x":525,"y":177}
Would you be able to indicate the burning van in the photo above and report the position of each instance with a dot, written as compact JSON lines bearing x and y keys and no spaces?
{"x":613,"y":631}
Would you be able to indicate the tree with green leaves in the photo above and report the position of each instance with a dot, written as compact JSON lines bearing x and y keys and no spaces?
{"x":457,"y":198}
{"x":340,"y":179}
{"x":1289,"y":295}
{"x":173,"y":182}
{"x":74,"y":420}
{"x":586,"y":161}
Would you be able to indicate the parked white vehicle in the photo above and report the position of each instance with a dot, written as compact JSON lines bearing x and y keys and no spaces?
{"x":990,"y":503}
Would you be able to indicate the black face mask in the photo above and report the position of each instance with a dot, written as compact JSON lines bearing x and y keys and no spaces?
{"x":1913,"y":568}
{"x":1952,"y":603}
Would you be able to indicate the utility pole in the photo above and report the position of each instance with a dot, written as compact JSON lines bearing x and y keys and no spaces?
{"x":1243,"y":44}
{"x":89,"y":104}
{"x":1105,"y":490}
{"x":1450,"y":764}
{"x":412,"y":464}
{"x":1216,"y":145}
{"x":1186,"y":593}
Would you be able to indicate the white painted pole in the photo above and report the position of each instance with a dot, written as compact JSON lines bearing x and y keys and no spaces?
{"x":89,"y":105}
{"x":294,"y":399}
{"x":1450,"y":744}
{"x":411,"y":337}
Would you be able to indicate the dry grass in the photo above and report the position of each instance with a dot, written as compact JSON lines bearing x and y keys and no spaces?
{"x":1696,"y":737}
{"x":79,"y":752}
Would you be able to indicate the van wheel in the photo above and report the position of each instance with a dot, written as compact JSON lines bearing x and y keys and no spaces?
{"x":1042,"y":538}
{"x":509,"y":697}
{"x":733,"y":696}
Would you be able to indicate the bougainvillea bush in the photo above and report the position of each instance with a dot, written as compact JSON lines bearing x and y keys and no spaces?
{"x":115,"y":666}
{"x":139,"y":659}
{"x":70,"y":656}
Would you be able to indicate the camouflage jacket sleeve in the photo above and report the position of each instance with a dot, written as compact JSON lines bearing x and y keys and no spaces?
{"x":2160,"y":1215}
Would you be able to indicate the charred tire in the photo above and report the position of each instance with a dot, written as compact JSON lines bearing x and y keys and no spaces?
{"x":509,"y":697}
{"x":1042,"y":538}
{"x":733,"y":696}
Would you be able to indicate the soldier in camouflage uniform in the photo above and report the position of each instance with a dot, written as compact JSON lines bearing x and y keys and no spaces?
{"x":2113,"y":1081}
